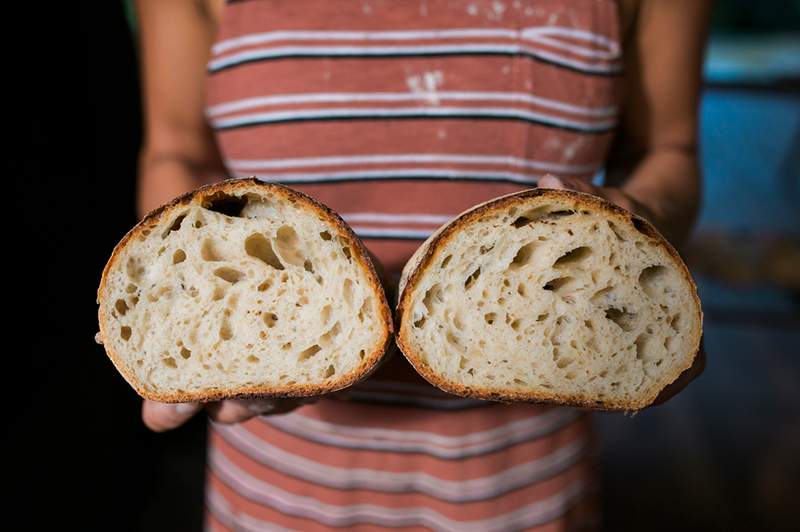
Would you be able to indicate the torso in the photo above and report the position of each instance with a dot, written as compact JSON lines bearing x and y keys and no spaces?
{"x":399,"y":115}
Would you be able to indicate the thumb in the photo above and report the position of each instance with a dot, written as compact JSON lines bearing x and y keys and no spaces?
{"x":160,"y":417}
{"x":550,"y":181}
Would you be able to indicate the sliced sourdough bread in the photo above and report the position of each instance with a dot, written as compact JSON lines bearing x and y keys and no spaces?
{"x":242,"y":288}
{"x":549,"y":296}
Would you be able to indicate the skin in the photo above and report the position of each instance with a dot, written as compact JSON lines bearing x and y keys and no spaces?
{"x":652,"y":169}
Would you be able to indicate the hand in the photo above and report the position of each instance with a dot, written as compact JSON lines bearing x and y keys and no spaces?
{"x":613,"y":194}
{"x":161,"y":417}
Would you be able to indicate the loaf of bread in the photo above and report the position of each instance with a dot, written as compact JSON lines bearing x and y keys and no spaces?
{"x":242,"y":288}
{"x":549,"y":296}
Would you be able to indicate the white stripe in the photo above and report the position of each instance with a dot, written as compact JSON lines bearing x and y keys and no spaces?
{"x":222,"y":511}
{"x":405,"y":173}
{"x":459,"y":491}
{"x":420,"y":234}
{"x":381,"y":218}
{"x":307,"y":507}
{"x":349,"y":97}
{"x":440,"y":446}
{"x":329,"y":51}
{"x":534,"y":33}
{"x":395,"y":112}
{"x":245,"y":165}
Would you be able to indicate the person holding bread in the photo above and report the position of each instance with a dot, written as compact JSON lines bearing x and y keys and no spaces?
{"x":399,"y":116}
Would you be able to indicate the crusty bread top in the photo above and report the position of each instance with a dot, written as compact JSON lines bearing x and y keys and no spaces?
{"x":431,"y":254}
{"x":165,"y":215}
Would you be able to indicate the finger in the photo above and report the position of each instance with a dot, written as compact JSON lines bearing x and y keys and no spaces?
{"x":550,"y":181}
{"x":568,"y":183}
{"x":233,"y":411}
{"x":160,"y":417}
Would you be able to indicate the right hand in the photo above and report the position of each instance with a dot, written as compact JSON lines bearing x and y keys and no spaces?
{"x":161,"y":417}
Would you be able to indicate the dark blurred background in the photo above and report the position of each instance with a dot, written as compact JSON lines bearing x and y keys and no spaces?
{"x":723,"y":455}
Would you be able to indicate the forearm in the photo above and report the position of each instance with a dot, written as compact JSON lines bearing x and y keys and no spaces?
{"x":666,"y":186}
{"x":165,"y":175}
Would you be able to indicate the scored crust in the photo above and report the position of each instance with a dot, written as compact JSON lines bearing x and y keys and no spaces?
{"x":161,"y":215}
{"x":428,"y":254}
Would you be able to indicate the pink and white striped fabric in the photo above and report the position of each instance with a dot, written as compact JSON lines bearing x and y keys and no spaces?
{"x":399,"y":115}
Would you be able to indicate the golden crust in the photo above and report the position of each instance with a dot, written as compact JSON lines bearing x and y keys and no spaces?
{"x":423,"y":259}
{"x":159,"y":215}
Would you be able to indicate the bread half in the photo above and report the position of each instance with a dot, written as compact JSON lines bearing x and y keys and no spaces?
{"x":242,"y":288}
{"x":549,"y":296}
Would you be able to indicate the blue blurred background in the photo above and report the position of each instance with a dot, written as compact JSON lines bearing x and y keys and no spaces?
{"x":725,"y":453}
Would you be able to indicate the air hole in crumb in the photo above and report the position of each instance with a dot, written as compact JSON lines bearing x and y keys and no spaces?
{"x":530,"y":216}
{"x":646,"y":348}
{"x":179,"y":256}
{"x":131,"y":288}
{"x":362,"y":354}
{"x":542,"y":317}
{"x":490,"y":317}
{"x":121,"y":307}
{"x":223,"y":203}
{"x":472,"y":278}
{"x":622,"y":318}
{"x":345,"y":243}
{"x":575,"y":256}
{"x":521,"y":289}
{"x":325,"y":235}
{"x":432,"y":296}
{"x":308,"y":266}
{"x":253,"y":359}
{"x":347,"y":291}
{"x":420,"y":322}
{"x":365,"y":310}
{"x":229,"y":274}
{"x":264,"y":286}
{"x":452,"y":338}
{"x":446,"y":261}
{"x":641,"y":226}
{"x":556,"y":285}
{"x":653,"y":280}
{"x":219,"y":293}
{"x":125,"y":333}
{"x":174,"y":226}
{"x":288,"y":246}
{"x":486,"y":249}
{"x":329,"y":372}
{"x":270,"y":318}
{"x":170,"y":362}
{"x":257,"y":245}
{"x":225,"y":332}
{"x":208,"y":252}
{"x":523,"y":256}
{"x":305,"y":354}
{"x":616,"y":231}
{"x":185,"y":353}
{"x":675,"y":322}
{"x":515,"y":324}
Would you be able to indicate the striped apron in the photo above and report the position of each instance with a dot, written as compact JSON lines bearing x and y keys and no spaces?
{"x":398,"y":115}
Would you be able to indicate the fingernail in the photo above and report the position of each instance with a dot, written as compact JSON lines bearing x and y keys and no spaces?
{"x":185,"y":409}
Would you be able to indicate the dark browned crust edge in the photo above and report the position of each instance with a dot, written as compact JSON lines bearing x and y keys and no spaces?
{"x":361,"y":255}
{"x":580,"y":200}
